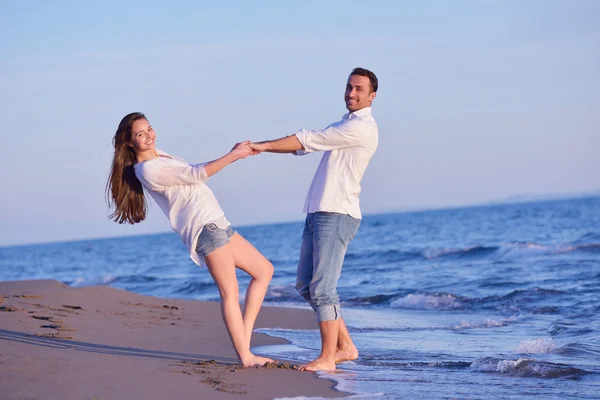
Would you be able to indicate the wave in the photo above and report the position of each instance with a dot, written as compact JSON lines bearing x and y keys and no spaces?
{"x":594,"y":247}
{"x":451,"y":326}
{"x":393,"y":362}
{"x":375,"y":299}
{"x":109,"y":279}
{"x":434,"y":253}
{"x":438,"y":301}
{"x":537,"y":346}
{"x":194,"y":287}
{"x":93,"y":281}
{"x":136,"y":279}
{"x":511,"y":303}
{"x":450,"y":301}
{"x":283,"y":293}
{"x":382,"y":256}
{"x":510,"y":248}
{"x":587,"y":350}
{"x":526,"y":367}
{"x":529,"y":294}
{"x":487,"y":323}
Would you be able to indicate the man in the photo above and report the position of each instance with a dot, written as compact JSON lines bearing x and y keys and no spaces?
{"x":333,"y":212}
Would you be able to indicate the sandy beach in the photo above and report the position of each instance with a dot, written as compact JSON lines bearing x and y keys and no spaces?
{"x":59,"y":342}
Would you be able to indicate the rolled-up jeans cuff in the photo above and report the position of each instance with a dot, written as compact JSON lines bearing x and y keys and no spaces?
{"x":330,"y":312}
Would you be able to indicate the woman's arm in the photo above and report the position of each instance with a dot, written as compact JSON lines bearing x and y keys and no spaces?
{"x":239,"y":151}
{"x":160,"y":175}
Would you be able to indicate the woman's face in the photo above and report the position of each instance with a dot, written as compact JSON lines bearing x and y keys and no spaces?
{"x":142,"y":136}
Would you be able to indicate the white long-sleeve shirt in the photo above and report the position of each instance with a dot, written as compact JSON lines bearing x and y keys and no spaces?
{"x":180,"y":192}
{"x":349,"y":145}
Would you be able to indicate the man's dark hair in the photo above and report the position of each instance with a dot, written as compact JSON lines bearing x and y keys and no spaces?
{"x":365,"y":72}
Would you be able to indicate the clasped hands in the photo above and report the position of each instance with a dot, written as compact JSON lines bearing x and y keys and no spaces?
{"x":247,"y":148}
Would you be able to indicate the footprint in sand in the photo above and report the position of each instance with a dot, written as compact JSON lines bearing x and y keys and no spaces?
{"x":40,"y":317}
{"x":50,"y":326}
{"x":10,"y":309}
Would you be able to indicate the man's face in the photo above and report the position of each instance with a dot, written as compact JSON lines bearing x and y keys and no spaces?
{"x":358,"y":93}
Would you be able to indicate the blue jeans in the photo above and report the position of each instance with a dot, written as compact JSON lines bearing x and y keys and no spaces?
{"x":324,"y":243}
{"x":212,"y":238}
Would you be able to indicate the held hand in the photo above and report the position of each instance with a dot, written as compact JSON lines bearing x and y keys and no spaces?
{"x":242,"y":150}
{"x":257,"y":148}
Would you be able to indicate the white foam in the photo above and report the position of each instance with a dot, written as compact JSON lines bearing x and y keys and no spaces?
{"x":488,"y":323}
{"x":280,"y":290}
{"x":537,"y":346}
{"x":503,"y":366}
{"x":511,"y":365}
{"x":427,"y":302}
{"x":97,"y":280}
{"x":436,"y":253}
{"x":524,"y":367}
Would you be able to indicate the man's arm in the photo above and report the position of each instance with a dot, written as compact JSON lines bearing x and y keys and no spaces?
{"x":288,"y":144}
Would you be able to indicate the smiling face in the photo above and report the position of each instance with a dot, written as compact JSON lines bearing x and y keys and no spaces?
{"x":142,"y":137}
{"x":359,"y":93}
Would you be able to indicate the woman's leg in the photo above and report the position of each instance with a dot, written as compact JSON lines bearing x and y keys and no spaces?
{"x":251,"y":261}
{"x":221,"y":266}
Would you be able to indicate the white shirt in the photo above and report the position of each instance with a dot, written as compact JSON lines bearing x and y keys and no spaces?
{"x":349,"y":145}
{"x":179,"y":190}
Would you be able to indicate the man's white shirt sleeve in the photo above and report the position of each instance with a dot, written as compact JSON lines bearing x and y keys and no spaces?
{"x":343,"y":134}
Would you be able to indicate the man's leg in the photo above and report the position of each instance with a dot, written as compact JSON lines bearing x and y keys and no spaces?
{"x":345,"y":348}
{"x":331,"y":234}
{"x":305,"y":264}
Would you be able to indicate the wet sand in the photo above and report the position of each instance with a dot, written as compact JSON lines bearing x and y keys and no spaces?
{"x":59,"y":342}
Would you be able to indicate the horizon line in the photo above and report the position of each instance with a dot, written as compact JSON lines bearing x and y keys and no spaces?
{"x":542,"y":198}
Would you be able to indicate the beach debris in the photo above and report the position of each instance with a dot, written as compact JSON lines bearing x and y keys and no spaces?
{"x":55,"y":336}
{"x":27,"y":296}
{"x":171,"y":307}
{"x":211,"y":381}
{"x":63,"y":329}
{"x":200,"y":363}
{"x":51,"y":326}
{"x":72,"y":307}
{"x":285,"y":365}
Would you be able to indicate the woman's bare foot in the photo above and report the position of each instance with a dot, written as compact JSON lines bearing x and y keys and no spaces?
{"x":318,"y":365}
{"x":347,"y":353}
{"x":255,"y":360}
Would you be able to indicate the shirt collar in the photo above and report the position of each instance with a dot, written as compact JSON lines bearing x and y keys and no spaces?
{"x":358,"y":113}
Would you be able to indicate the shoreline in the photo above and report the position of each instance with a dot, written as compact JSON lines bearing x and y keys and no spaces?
{"x":99,"y":342}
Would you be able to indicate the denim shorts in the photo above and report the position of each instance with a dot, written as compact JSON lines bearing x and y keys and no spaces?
{"x":212,"y":238}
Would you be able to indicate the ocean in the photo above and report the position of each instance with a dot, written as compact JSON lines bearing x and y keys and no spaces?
{"x":487,"y":302}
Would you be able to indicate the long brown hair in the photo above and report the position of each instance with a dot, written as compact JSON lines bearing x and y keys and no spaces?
{"x":123,"y":190}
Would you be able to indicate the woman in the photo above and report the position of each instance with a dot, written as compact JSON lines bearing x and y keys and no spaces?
{"x":194,"y":213}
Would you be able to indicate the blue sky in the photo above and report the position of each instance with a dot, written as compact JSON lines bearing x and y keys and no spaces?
{"x":478,"y":101}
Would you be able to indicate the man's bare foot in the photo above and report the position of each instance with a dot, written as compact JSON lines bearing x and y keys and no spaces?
{"x":348,"y":353}
{"x":318,"y":365}
{"x":255,"y":360}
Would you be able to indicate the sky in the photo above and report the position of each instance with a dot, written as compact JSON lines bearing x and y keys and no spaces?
{"x":478,"y":101}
